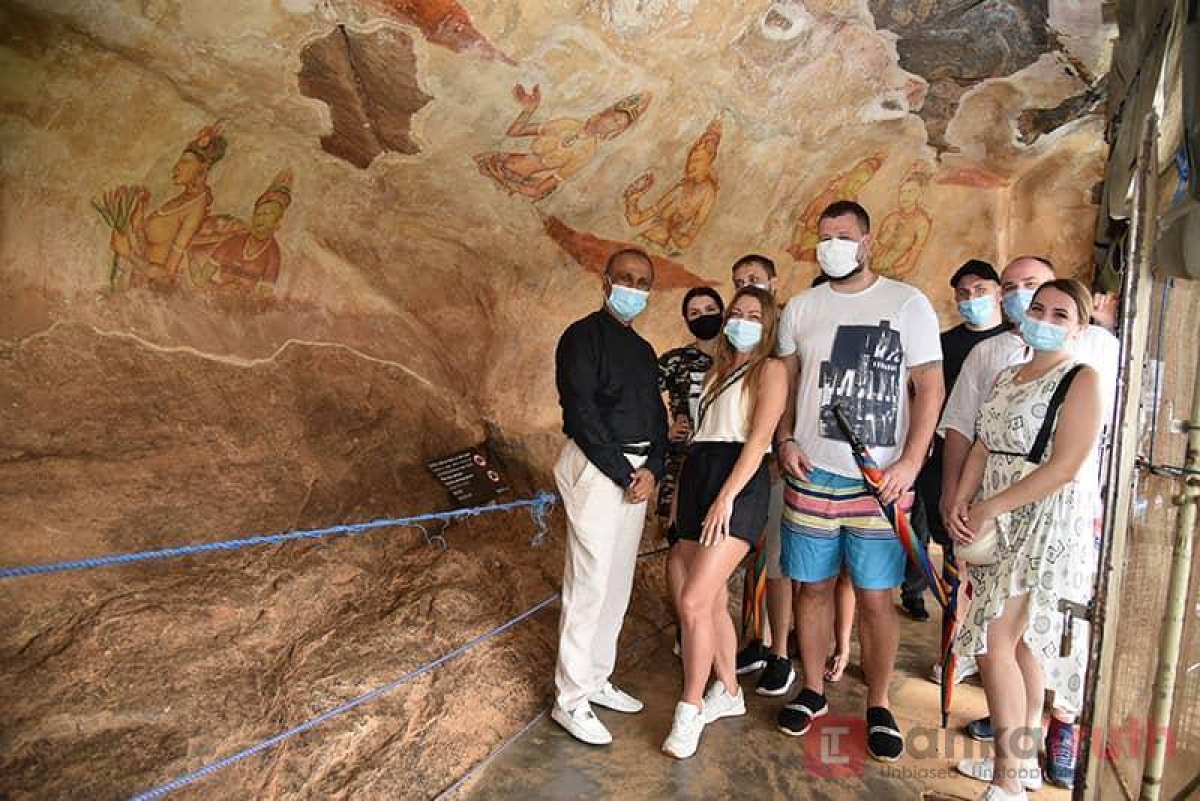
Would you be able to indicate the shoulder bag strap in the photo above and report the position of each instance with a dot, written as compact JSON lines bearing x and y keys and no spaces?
{"x":730,"y":380}
{"x":1056,"y":401}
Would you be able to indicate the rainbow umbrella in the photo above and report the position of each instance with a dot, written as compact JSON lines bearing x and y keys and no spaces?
{"x":949,"y":625}
{"x":754,"y":591}
{"x":944,"y":586}
{"x":873,"y":475}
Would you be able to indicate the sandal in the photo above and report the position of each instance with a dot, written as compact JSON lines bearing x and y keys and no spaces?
{"x":835,"y":666}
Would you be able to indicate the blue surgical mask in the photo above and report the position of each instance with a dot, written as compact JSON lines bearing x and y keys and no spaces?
{"x":627,"y":302}
{"x":977,"y":311}
{"x":1016,"y":302}
{"x":743,"y":334}
{"x":1043,"y":336}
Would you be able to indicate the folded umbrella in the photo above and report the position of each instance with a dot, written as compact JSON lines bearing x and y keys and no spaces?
{"x":944,"y":586}
{"x":753,"y":593}
{"x":873,"y":476}
{"x":949,"y":628}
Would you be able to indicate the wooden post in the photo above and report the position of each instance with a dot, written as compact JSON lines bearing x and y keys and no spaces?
{"x":1171,"y":635}
{"x":1122,"y":485}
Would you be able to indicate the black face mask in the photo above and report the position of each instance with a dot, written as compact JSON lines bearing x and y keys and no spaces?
{"x":705,"y":327}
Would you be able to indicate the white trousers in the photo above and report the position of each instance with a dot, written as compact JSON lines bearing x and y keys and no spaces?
{"x":603,"y":535}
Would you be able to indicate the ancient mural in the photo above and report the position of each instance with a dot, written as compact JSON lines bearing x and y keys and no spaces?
{"x":180,"y":244}
{"x":229,"y":255}
{"x":844,"y":185}
{"x":443,"y":22}
{"x":591,"y":253}
{"x":901,"y":236}
{"x":680,"y":212}
{"x":559,"y":148}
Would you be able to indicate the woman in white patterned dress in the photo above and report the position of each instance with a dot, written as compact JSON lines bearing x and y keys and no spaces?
{"x":1014,"y":625}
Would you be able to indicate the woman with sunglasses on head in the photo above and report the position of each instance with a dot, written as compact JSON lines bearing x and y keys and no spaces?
{"x":721,"y":507}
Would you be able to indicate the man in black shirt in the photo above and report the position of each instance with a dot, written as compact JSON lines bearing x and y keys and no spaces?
{"x":977,"y":292}
{"x":607,"y":378}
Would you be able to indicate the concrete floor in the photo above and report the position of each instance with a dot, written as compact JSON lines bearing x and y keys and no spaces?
{"x":748,"y":758}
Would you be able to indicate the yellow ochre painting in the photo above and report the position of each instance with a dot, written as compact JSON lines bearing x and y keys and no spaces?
{"x":676,"y":217}
{"x":560,"y":147}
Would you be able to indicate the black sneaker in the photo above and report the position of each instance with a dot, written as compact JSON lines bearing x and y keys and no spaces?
{"x":777,"y":678}
{"x":884,"y":741}
{"x":796,"y":717}
{"x":915,"y":607}
{"x":751,"y":658}
{"x":981,"y":730}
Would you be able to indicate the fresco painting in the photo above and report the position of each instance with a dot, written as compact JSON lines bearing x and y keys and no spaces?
{"x":591,"y":252}
{"x":676,"y":217}
{"x":903,"y":233}
{"x":150,"y":245}
{"x":843,"y":186}
{"x":560,"y":147}
{"x":180,"y":244}
{"x":244,"y":256}
{"x":443,"y":22}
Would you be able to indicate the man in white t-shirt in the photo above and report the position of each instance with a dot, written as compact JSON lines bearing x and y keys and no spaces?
{"x":858,"y":342}
{"x":1096,"y":348}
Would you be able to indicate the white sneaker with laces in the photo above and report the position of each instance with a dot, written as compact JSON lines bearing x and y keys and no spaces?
{"x":718,"y":703}
{"x":612,"y":697}
{"x":964,"y":668}
{"x":684,"y":738}
{"x":582,"y":724}
{"x":994,"y":793}
{"x":981,"y":770}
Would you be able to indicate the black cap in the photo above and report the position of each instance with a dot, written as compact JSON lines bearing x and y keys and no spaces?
{"x":976,"y":267}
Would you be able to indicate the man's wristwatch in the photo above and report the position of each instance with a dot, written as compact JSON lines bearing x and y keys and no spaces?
{"x":779,"y":443}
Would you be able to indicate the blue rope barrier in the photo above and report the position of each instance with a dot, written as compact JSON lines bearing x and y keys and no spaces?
{"x":538,"y":507}
{"x":207,"y":770}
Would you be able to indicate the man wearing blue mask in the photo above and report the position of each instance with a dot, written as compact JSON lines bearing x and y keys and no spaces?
{"x":858,"y":342}
{"x":977,"y":293}
{"x":607,"y":378}
{"x":1095,"y":347}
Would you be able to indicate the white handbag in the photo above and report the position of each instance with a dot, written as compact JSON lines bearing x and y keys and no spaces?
{"x":989,"y":541}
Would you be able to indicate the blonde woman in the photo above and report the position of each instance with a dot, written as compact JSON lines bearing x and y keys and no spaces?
{"x":721,"y":507}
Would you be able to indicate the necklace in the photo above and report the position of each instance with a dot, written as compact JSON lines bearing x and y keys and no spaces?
{"x":252,"y":256}
{"x":164,"y":211}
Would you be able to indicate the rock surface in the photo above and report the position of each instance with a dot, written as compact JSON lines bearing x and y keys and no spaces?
{"x":262,"y":261}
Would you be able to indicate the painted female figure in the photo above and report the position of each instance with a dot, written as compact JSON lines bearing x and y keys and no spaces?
{"x":560,"y":147}
{"x":247,"y":257}
{"x":154,"y":245}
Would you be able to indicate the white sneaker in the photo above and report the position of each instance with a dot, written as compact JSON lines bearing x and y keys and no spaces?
{"x":616,"y":699}
{"x":981,"y":770}
{"x":965,"y":667}
{"x":582,"y":724}
{"x":994,"y":793}
{"x":718,"y":703}
{"x":681,"y":743}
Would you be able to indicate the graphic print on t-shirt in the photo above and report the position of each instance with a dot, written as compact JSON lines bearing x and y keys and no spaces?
{"x":862,"y":375}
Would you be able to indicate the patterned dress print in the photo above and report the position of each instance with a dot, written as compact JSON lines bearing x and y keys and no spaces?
{"x":1040,"y":544}
{"x":681,"y":375}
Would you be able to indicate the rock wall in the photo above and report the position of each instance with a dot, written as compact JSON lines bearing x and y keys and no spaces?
{"x":262,"y":261}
